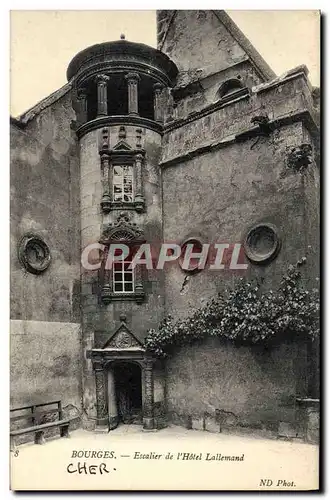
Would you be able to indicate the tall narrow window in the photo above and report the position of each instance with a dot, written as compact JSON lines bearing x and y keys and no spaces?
{"x":119,"y":282}
{"x":123,"y":277}
{"x":123,"y":183}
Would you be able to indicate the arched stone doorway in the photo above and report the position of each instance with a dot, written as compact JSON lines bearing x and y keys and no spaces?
{"x":128,"y":391}
{"x":140,"y":394}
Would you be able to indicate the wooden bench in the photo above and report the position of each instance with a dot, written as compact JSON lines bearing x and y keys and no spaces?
{"x":37,"y":416}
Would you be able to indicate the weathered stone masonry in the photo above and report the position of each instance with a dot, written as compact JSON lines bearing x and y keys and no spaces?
{"x":197,"y":140}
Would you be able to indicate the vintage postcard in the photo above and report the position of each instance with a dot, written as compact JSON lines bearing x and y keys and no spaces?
{"x":165,"y":250}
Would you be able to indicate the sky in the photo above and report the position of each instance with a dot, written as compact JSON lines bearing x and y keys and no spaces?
{"x":44,"y":42}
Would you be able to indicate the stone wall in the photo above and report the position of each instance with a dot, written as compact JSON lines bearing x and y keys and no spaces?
{"x":45,"y":363}
{"x":45,"y":308}
{"x":227,"y":180}
{"x":221,"y":175}
{"x":233,"y":387}
{"x":45,"y":201}
{"x":244,"y":187}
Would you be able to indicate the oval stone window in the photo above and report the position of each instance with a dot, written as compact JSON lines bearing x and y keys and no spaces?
{"x":34,"y":254}
{"x":262,"y":243}
{"x":193,"y":246}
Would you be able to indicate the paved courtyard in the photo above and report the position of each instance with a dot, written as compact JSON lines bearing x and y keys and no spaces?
{"x":173,"y":458}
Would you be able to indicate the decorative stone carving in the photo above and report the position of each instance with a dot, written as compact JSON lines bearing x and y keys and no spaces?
{"x":265,"y":128}
{"x":138,"y":138}
{"x":106,"y":183}
{"x":139,"y":290}
{"x":108,"y":296}
{"x":127,"y":120}
{"x":122,"y":132}
{"x":105,"y":167}
{"x":299,"y":157}
{"x":121,"y":154}
{"x":101,"y":398}
{"x":107,"y":293}
{"x":122,"y":147}
{"x":139,"y":199}
{"x":112,"y":400}
{"x":148,"y":410}
{"x":106,"y":198}
{"x":123,"y":338}
{"x":122,"y":230}
{"x":104,"y":140}
{"x":262,"y":243}
{"x":34,"y":253}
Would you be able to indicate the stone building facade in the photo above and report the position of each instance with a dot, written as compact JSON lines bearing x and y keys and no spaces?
{"x":184,"y":143}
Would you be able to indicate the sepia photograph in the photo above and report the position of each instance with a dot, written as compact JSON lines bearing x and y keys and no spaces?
{"x":164,"y":250}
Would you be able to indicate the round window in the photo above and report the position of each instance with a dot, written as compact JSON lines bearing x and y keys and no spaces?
{"x":34,"y":254}
{"x":262,"y":243}
{"x":188,"y":260}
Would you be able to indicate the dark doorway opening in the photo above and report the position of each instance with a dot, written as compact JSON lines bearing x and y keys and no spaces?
{"x":128,"y":392}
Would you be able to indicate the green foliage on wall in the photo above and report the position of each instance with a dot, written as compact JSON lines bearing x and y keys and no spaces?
{"x":245,"y":316}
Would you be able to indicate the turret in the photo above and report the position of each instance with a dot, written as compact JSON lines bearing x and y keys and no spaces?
{"x":119,"y":92}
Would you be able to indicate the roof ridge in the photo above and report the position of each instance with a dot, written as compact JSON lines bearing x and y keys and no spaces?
{"x":169,"y":24}
{"x":259,"y":62}
{"x":47,"y":101}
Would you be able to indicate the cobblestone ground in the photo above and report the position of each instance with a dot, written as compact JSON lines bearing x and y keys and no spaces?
{"x":170,"y":459}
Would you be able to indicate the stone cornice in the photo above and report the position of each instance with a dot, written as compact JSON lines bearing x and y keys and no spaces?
{"x":253,"y":131}
{"x":114,"y":67}
{"x":240,"y":95}
{"x":298,"y":72}
{"x":105,"y":121}
{"x":122,"y":52}
{"x":104,"y":356}
{"x":27,"y":116}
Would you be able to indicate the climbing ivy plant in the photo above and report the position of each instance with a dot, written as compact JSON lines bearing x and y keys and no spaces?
{"x":245,"y":315}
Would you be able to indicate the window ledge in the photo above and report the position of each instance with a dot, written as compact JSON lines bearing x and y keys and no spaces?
{"x":138,"y":206}
{"x":108,"y":296}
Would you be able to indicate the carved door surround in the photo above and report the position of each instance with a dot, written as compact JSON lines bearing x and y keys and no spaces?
{"x":121,"y":346}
